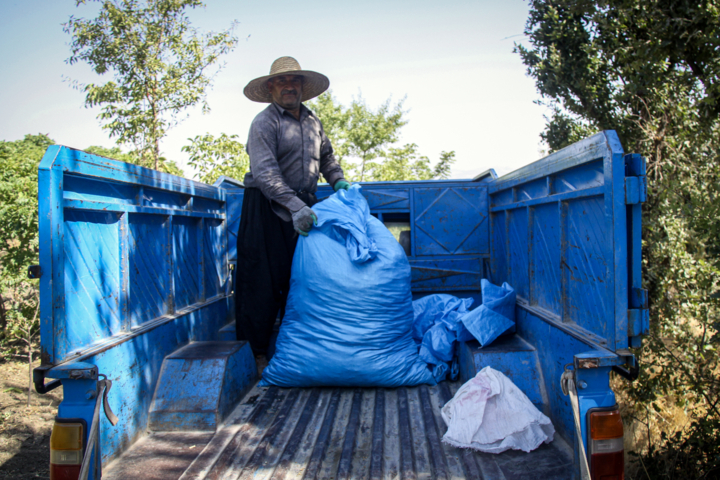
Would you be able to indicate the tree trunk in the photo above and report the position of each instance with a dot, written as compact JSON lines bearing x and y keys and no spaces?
{"x":3,"y":315}
{"x":30,"y":352}
{"x":362,"y":169}
{"x":29,"y":336}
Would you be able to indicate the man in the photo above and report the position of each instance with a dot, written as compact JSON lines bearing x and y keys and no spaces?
{"x":288,"y":151}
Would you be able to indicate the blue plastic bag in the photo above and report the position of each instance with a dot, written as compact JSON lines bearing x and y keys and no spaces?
{"x":434,"y":308}
{"x":443,"y":320}
{"x":491,"y":319}
{"x":349,"y":312}
{"x":435,"y":328}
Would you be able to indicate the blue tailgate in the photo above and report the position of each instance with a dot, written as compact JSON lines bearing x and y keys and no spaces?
{"x":565,"y":233}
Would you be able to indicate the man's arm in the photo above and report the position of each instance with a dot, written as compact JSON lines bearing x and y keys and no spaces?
{"x":262,"y":148}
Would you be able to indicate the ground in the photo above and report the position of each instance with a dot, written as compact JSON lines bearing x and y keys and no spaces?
{"x":24,"y":431}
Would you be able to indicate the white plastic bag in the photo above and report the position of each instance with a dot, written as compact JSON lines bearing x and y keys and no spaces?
{"x":489,"y":413}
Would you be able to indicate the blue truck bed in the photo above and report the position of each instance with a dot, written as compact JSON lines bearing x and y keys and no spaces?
{"x":136,"y":285}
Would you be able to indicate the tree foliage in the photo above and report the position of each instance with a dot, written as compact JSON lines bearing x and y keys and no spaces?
{"x":650,"y":70}
{"x":213,"y":157}
{"x":19,"y":239}
{"x":159,"y":63}
{"x":365,"y":142}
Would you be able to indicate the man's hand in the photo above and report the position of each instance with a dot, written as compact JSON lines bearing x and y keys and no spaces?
{"x":303,"y":220}
{"x":341,"y":184}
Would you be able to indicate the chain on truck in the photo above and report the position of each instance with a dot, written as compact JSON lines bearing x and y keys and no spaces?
{"x":136,"y":292}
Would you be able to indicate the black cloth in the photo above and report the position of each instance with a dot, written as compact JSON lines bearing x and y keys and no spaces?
{"x":265,"y":249}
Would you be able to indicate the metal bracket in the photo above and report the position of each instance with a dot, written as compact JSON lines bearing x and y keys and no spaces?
{"x":638,"y":322}
{"x":638,"y":316}
{"x":39,"y":380}
{"x":632,"y":371}
{"x":635,"y":190}
{"x":635,"y":181}
{"x":72,"y":371}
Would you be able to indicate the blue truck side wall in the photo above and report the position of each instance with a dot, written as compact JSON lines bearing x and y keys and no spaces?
{"x":135,"y":266}
{"x":559,"y":238}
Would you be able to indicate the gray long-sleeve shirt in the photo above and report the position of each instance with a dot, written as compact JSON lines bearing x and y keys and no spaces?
{"x":287,"y":156}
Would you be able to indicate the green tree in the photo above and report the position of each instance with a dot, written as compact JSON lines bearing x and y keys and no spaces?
{"x":213,"y":157}
{"x":650,"y":70}
{"x":159,"y":64}
{"x":365,"y":141}
{"x":19,"y":245}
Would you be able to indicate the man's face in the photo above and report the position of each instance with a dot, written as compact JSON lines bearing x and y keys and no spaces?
{"x":286,"y":91}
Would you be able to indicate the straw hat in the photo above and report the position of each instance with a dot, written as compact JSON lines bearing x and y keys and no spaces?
{"x":313,"y":85}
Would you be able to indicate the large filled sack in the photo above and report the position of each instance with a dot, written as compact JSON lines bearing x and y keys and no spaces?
{"x":349,"y":311}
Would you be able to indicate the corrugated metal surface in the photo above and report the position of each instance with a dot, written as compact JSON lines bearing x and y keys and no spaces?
{"x":353,"y":433}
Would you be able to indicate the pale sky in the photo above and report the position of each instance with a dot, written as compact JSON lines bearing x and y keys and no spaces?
{"x":465,"y":90}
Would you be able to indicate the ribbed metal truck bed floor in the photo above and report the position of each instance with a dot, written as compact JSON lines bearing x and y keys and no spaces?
{"x":335,"y":434}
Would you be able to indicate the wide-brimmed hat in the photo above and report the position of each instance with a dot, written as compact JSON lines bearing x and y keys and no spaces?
{"x":313,"y":85}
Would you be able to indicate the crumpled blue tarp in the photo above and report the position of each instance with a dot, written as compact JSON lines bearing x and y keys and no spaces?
{"x":491,"y":319}
{"x":434,"y":308}
{"x":443,"y":320}
{"x":349,"y":312}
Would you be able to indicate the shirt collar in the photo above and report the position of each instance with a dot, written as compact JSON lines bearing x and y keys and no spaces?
{"x":304,"y":111}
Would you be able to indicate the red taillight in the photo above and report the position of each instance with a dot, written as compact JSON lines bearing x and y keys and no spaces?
{"x":607,"y":454}
{"x":66,"y":450}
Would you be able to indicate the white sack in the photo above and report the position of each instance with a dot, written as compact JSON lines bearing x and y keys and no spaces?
{"x":489,"y":413}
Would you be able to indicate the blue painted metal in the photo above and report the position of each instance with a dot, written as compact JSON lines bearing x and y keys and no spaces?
{"x":451,"y":221}
{"x":560,"y":236}
{"x":137,"y":266}
{"x":100,"y":226}
{"x":200,"y":384}
{"x":512,"y":356}
{"x":227,"y":333}
{"x":638,"y":313}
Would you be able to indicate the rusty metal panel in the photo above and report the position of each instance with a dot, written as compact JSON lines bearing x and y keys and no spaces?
{"x":160,"y":456}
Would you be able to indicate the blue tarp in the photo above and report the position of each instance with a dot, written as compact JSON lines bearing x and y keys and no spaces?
{"x":443,"y":320}
{"x":349,"y":312}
